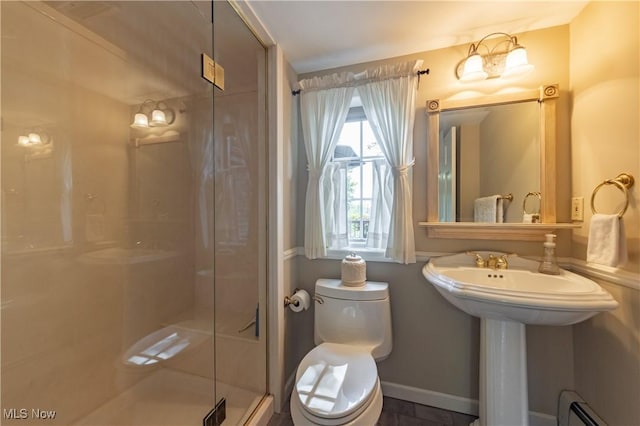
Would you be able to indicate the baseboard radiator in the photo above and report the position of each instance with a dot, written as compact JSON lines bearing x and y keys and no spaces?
{"x":574,"y":411}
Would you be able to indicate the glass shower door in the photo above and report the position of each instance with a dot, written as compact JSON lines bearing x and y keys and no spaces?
{"x":240,"y":215}
{"x":108,"y":225}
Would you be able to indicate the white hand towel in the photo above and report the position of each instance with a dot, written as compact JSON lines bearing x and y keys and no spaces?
{"x":488,"y":209}
{"x":607,"y":243}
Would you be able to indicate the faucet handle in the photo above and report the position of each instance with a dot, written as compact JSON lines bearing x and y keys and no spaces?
{"x":492,"y":261}
{"x":480,"y":262}
{"x":502,"y":262}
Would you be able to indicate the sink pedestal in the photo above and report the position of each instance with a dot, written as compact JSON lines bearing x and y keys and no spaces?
{"x":503,"y":374}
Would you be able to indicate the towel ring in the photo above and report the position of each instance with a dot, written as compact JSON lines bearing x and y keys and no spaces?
{"x":623,"y":181}
{"x":524,"y":202}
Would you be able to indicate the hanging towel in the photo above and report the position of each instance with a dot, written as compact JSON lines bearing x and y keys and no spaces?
{"x":488,"y":209}
{"x":607,"y":243}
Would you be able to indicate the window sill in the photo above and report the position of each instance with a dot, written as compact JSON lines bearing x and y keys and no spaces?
{"x":369,"y":255}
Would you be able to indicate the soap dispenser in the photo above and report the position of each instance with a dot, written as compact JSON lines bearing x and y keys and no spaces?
{"x":549,"y":264}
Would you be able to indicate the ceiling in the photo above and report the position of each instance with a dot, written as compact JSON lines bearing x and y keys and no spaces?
{"x":318,"y":35}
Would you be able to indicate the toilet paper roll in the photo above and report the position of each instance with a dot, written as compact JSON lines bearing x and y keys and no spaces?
{"x":300,"y":301}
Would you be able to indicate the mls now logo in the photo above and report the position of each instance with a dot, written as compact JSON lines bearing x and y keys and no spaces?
{"x":24,"y":413}
{"x":15,"y":413}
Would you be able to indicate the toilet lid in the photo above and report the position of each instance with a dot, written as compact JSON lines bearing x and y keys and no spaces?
{"x":334,"y":380}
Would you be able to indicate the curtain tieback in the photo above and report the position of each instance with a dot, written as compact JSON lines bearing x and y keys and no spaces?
{"x":314,"y":173}
{"x":402,"y":170}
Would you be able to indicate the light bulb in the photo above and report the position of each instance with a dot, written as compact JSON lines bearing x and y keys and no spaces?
{"x":473,"y":69}
{"x":140,"y":121}
{"x":158,"y":119}
{"x":34,"y":139}
{"x":23,"y":141}
{"x":516,"y":63}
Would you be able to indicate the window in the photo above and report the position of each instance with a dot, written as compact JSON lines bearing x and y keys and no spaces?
{"x":359,"y":160}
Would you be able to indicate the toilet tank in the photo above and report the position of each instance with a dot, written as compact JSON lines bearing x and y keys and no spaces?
{"x":354,"y":315}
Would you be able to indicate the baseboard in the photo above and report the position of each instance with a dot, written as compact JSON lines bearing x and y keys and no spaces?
{"x":430,"y":398}
{"x":451,"y":402}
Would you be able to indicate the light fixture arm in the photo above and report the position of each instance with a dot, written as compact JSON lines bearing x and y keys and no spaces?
{"x":496,"y":62}
{"x":148,"y":105}
{"x":512,"y":41}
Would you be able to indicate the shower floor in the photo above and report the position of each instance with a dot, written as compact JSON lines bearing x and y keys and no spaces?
{"x":171,"y":398}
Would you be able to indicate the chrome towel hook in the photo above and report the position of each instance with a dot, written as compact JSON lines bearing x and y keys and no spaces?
{"x":623,"y":181}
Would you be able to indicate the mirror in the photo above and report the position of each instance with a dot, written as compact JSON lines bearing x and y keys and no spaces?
{"x":489,"y":150}
{"x":472,"y":162}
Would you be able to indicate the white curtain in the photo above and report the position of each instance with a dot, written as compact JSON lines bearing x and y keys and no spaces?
{"x":337,"y":233}
{"x":323,"y":110}
{"x":388,"y":98}
{"x":378,"y":233}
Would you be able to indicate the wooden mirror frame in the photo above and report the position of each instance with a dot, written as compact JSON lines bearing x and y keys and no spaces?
{"x":547,"y":97}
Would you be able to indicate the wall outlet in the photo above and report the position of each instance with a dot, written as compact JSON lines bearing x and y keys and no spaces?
{"x":577,"y":208}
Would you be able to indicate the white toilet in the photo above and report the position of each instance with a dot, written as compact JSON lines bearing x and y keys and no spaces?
{"x":337,"y":381}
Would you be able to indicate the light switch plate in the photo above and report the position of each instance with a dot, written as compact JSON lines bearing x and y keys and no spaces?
{"x":577,"y":208}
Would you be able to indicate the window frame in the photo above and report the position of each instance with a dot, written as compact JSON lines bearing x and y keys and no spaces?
{"x":356,"y":114}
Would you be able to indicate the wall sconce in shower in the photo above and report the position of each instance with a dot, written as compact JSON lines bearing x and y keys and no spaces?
{"x":34,"y":139}
{"x":505,"y":59}
{"x":153,"y":114}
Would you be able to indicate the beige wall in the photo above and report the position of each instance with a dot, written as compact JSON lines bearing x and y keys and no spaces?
{"x":431,"y":338}
{"x":605,"y":142}
{"x":605,"y":138}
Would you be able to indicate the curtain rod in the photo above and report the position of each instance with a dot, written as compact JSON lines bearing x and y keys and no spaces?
{"x":419,"y":73}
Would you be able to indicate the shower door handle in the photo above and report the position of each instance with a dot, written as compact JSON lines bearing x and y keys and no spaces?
{"x":212,"y":72}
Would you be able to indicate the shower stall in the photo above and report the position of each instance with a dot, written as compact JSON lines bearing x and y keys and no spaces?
{"x":134,"y":261}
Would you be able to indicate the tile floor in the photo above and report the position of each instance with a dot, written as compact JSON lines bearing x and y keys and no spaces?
{"x":396,"y":412}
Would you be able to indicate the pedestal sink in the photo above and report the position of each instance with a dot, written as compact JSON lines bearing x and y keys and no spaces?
{"x":506,"y":300}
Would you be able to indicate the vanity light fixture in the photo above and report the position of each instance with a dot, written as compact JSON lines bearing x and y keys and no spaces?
{"x":34,"y":139}
{"x":505,"y":59}
{"x":161,"y":115}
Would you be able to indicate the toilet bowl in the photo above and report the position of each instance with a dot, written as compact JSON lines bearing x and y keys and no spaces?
{"x":337,"y":384}
{"x":337,"y":381}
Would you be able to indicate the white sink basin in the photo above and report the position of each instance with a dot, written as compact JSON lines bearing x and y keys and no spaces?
{"x":506,"y":300}
{"x":519,"y":293}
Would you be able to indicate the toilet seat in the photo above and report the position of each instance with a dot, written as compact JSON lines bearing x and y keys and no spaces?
{"x":335,"y":383}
